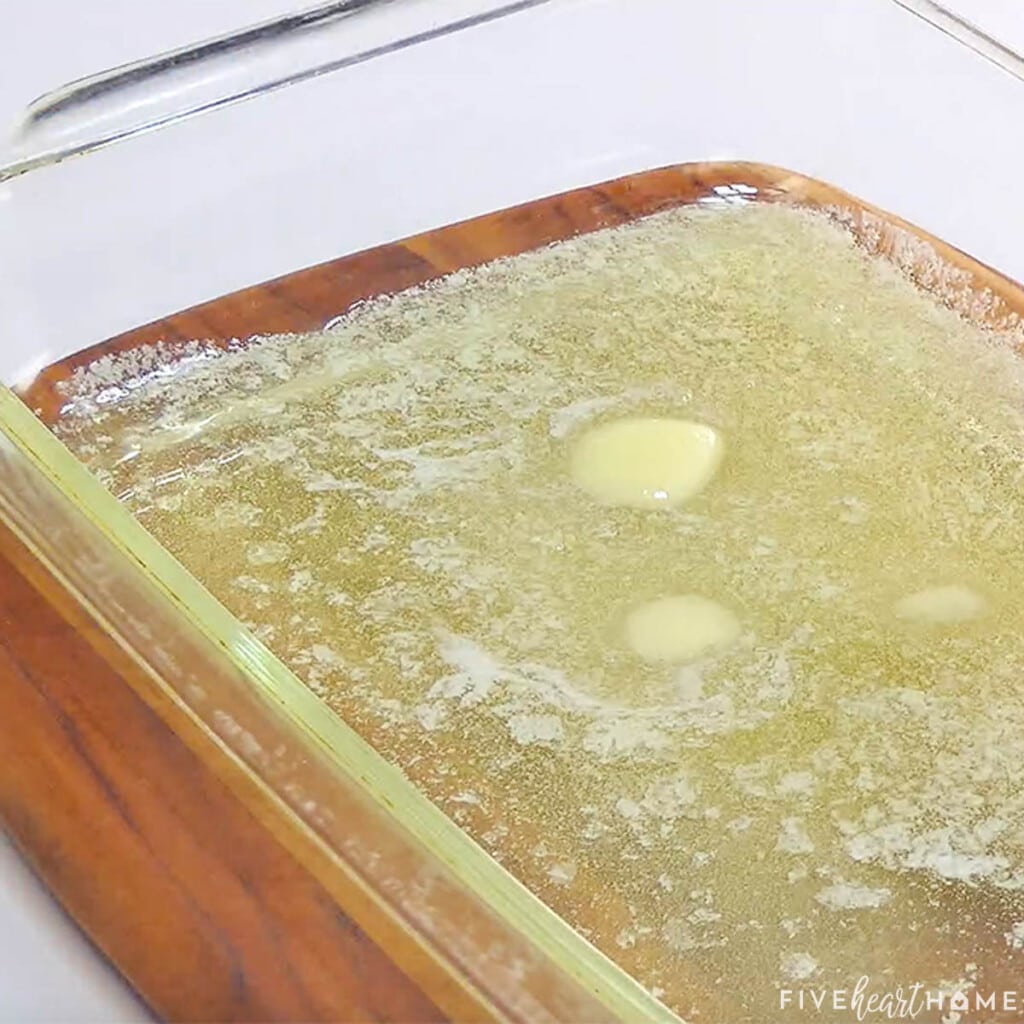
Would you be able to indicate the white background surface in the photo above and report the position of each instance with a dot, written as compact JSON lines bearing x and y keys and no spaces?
{"x":48,"y":974}
{"x":1001,"y":19}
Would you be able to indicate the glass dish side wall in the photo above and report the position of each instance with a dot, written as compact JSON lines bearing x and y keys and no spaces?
{"x":445,"y":899}
{"x":883,"y":106}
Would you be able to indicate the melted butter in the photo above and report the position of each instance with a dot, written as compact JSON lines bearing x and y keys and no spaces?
{"x":834,"y":792}
{"x":645,"y":463}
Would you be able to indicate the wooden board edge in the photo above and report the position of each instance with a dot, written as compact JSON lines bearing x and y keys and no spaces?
{"x":167,"y":858}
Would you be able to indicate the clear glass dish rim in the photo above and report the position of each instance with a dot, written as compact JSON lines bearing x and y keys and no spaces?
{"x":30,"y":151}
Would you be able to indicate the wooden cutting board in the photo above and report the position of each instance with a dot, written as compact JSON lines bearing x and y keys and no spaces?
{"x":152,"y":848}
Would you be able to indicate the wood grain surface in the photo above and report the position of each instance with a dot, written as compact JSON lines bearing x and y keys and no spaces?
{"x":228,"y":915}
{"x":308,"y":299}
{"x":194,"y":900}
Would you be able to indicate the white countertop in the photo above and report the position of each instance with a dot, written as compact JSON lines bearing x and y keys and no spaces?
{"x":48,"y":973}
{"x":1001,"y":19}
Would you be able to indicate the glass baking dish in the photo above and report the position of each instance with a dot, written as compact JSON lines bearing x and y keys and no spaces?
{"x":151,"y":189}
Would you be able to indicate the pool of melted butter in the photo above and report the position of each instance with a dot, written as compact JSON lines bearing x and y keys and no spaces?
{"x":388,"y":505}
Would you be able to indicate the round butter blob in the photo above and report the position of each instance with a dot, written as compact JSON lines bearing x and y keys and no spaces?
{"x":646,"y":463}
{"x":941,"y":606}
{"x":680,"y":628}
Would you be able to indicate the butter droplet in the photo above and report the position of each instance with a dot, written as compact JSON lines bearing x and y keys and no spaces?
{"x":941,"y":606}
{"x":680,"y":628}
{"x":646,"y":463}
